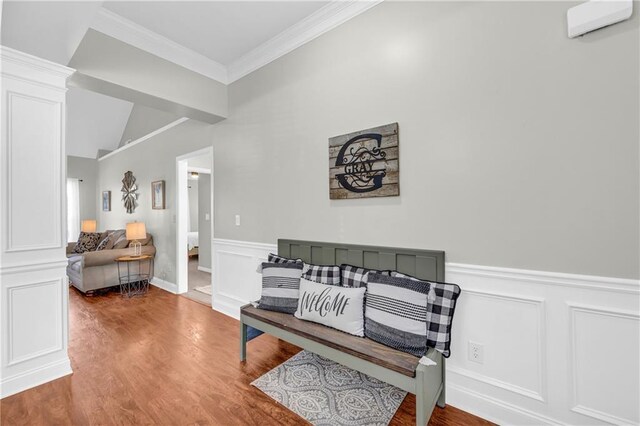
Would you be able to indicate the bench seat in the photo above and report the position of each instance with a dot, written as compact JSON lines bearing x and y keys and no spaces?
{"x":360,"y":347}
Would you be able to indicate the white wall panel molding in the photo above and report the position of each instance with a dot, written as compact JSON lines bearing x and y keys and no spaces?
{"x":114,"y":25}
{"x":24,"y":341}
{"x":539,"y":392}
{"x":26,"y":228}
{"x":536,"y":350}
{"x":314,"y":25}
{"x":585,"y":367}
{"x":607,"y":284}
{"x":32,"y":267}
{"x":34,"y":287}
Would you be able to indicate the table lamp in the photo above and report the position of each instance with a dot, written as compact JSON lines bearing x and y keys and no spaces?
{"x":136,"y":231}
{"x":88,"y":226}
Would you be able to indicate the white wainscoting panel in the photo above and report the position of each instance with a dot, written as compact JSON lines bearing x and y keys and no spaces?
{"x":592,"y":373}
{"x":34,"y":287}
{"x":558,"y":348}
{"x":236,"y":281}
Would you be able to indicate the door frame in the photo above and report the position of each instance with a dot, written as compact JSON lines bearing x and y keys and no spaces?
{"x":182,"y":212}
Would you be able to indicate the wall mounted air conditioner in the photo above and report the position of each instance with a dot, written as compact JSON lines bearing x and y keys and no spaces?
{"x":596,"y":14}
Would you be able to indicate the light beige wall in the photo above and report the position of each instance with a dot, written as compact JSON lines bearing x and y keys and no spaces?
{"x":154,"y":159}
{"x":85,"y":169}
{"x":192,"y":193}
{"x":518,"y":146}
{"x":144,"y":120}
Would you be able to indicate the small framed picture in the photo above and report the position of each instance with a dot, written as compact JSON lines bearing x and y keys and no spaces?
{"x":157,"y":195}
{"x":106,"y":201}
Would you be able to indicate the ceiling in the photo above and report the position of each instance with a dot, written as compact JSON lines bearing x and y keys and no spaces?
{"x":222,"y":40}
{"x":94,"y":122}
{"x":222,"y":31}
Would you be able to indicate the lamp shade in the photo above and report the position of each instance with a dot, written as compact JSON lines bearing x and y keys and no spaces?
{"x":136,"y":231}
{"x":88,"y":226}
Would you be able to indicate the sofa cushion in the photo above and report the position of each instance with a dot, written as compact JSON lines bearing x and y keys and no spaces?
{"x":102,"y":245}
{"x":121,"y":241}
{"x":87,"y":241}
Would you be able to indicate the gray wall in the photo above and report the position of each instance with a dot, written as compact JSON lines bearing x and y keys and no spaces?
{"x":154,"y":159}
{"x":193,"y":205}
{"x":87,"y":170}
{"x":518,"y":146}
{"x":204,"y":225}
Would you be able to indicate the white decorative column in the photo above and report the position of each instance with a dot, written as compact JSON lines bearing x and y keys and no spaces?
{"x":33,"y":282}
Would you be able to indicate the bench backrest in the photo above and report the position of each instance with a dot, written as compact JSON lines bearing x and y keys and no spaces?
{"x":423,"y":264}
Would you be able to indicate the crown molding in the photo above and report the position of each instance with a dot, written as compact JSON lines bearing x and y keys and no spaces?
{"x":17,"y":57}
{"x":325,"y":19}
{"x":129,"y":32}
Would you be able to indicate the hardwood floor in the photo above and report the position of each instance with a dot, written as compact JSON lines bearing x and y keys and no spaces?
{"x":165,"y":359}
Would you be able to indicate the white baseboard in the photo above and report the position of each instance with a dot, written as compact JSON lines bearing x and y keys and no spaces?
{"x":227,"y":306}
{"x":492,"y":409}
{"x":203,"y":269}
{"x":165,"y":285}
{"x":35,"y":377}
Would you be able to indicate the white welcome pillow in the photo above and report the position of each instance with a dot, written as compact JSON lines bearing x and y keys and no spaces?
{"x":339,"y":307}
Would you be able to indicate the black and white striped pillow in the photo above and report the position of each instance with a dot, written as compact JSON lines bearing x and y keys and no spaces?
{"x":280,"y":286}
{"x":440,"y":309}
{"x":396,"y":313}
{"x":355,"y":276}
{"x":322,"y":274}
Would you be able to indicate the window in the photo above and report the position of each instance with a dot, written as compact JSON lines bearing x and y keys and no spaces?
{"x":73,"y":209}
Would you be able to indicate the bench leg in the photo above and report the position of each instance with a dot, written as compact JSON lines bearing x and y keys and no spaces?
{"x":442,"y":398}
{"x":423,"y":411}
{"x":243,"y":342}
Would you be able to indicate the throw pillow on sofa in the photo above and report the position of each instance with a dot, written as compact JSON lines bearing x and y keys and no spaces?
{"x":87,"y":241}
{"x":396,"y":313}
{"x":280,"y":287}
{"x":274,"y":258}
{"x":439,"y":314}
{"x":334,"y":306}
{"x":102,"y":245}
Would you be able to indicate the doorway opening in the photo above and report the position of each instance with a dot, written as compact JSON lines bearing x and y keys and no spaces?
{"x":194,"y":225}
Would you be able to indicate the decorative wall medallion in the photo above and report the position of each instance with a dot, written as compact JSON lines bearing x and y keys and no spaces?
{"x":129,"y":195}
{"x":364,"y":164}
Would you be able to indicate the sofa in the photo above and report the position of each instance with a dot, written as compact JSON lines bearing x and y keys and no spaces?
{"x":97,"y":269}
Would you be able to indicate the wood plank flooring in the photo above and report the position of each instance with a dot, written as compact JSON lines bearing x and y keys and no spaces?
{"x":165,"y":359}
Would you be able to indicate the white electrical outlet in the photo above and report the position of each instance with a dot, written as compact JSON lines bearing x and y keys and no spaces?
{"x":476,"y":352}
{"x":237,"y":220}
{"x":206,"y":216}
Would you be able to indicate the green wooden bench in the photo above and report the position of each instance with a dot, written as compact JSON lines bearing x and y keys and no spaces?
{"x":425,"y":380}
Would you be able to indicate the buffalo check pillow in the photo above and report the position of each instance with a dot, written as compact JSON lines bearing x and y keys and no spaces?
{"x":355,"y":276}
{"x":439,"y":313}
{"x":322,"y":274}
{"x":396,"y":313}
{"x":274,"y":258}
{"x":280,"y":286}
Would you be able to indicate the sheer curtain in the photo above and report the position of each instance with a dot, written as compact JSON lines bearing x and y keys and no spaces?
{"x":73,"y":209}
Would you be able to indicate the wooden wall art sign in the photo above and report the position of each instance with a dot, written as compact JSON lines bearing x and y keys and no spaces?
{"x":364,"y":164}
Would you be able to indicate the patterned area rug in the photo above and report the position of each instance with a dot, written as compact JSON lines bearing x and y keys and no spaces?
{"x":326,"y":393}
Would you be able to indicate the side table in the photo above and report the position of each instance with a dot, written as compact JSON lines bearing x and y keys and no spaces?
{"x":132,"y":283}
